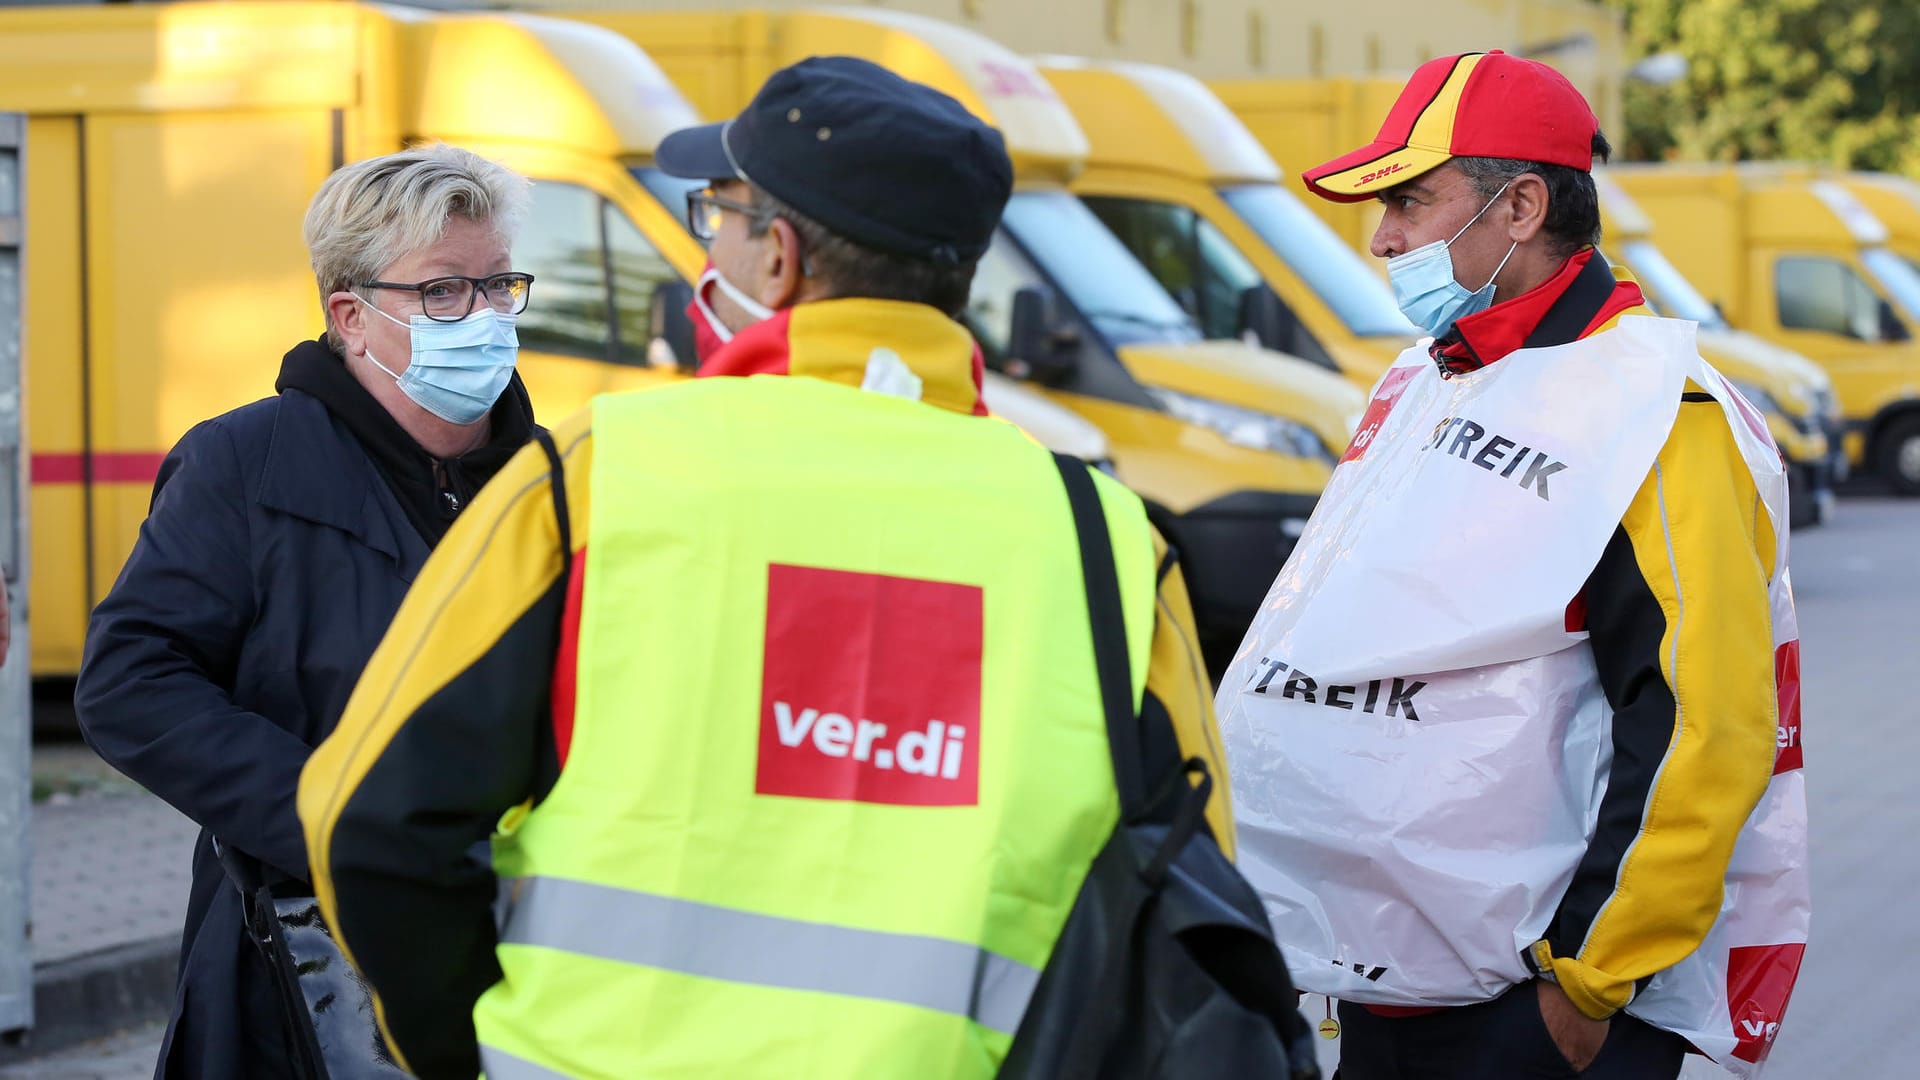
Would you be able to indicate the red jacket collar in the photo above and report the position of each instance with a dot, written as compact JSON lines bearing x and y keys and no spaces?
{"x":1487,"y":336}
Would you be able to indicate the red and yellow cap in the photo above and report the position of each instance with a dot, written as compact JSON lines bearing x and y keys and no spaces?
{"x":1472,"y":105}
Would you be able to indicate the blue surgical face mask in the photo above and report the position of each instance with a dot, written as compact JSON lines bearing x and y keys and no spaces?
{"x":1424,"y":285}
{"x":458,"y":368}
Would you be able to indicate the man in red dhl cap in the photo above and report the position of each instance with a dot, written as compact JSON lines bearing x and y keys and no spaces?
{"x":1541,"y":602}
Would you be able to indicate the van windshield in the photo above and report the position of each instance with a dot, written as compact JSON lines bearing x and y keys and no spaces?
{"x":1095,"y":272}
{"x":1897,"y":276}
{"x":1335,"y":272}
{"x":1671,"y":292}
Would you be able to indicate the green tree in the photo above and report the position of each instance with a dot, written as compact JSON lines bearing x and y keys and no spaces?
{"x":1834,"y":81}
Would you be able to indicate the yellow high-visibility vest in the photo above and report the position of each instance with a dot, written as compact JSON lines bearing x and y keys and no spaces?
{"x":839,"y":764}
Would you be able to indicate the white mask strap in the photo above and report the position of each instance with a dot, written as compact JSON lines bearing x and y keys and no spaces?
{"x":369,"y":352}
{"x":747,"y":303}
{"x":1503,"y":263}
{"x":375,"y":308}
{"x":1483,"y":210}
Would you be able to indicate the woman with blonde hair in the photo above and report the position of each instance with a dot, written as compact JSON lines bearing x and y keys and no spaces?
{"x":281,"y":539}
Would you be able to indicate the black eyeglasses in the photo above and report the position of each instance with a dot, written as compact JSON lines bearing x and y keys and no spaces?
{"x":703,"y":213}
{"x":450,"y":299}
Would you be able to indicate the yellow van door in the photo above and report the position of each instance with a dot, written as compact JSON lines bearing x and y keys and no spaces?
{"x":195,"y":283}
{"x":1827,"y":310}
{"x":55,"y":376}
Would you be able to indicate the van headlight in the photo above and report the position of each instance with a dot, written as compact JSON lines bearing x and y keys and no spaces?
{"x":1242,"y":426}
{"x":1825,"y":405}
{"x":1760,"y":399}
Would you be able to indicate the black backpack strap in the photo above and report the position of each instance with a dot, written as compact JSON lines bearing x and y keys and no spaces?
{"x":1107,"y":619}
{"x":558,"y":486}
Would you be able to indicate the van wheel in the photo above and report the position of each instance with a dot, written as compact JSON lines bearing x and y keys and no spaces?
{"x":1899,"y":456}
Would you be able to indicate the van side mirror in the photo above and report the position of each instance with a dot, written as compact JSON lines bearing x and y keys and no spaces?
{"x":1038,"y":347}
{"x":1892,"y":328}
{"x":669,"y":329}
{"x":1266,"y":319}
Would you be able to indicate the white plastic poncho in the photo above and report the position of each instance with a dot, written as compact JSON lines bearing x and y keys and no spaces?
{"x":1418,"y":743}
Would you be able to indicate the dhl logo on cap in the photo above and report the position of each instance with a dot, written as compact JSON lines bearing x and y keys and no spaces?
{"x":1472,"y":105}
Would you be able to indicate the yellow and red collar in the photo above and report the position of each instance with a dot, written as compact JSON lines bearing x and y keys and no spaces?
{"x":1487,"y":336}
{"x":835,"y":340}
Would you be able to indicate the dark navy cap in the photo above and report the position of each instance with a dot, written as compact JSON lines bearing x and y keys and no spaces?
{"x":887,"y":163}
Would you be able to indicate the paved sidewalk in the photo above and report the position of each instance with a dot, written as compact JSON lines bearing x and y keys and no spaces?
{"x":108,"y":869}
{"x":108,"y":882}
{"x":129,"y":1055}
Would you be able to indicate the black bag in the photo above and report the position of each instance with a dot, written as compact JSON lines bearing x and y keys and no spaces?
{"x":327,"y":1007}
{"x":1166,"y":968}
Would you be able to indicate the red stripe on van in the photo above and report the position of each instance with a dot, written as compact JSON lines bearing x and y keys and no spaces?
{"x":109,"y":467}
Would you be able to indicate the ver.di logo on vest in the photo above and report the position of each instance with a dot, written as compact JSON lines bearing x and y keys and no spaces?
{"x":870,"y":688}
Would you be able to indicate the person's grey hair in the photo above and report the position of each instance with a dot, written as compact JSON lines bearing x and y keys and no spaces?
{"x":1573,"y":203}
{"x":370,"y":214}
{"x":851,"y":269}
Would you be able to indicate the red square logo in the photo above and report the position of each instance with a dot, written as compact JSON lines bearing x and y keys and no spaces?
{"x":1383,"y":402}
{"x":1786,"y":679}
{"x":870,"y":688}
{"x":1760,"y":979}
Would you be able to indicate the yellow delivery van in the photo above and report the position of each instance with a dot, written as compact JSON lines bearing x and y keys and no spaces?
{"x":1304,"y":122}
{"x":1796,"y":259}
{"x":1230,"y":444}
{"x":1895,"y":201}
{"x":1793,"y":392}
{"x":1190,"y":192}
{"x":171,"y":152}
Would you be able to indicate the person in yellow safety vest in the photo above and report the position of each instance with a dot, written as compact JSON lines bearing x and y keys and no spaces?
{"x":795,"y":762}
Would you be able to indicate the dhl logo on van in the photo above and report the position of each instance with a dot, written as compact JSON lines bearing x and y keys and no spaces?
{"x":1013,"y":80}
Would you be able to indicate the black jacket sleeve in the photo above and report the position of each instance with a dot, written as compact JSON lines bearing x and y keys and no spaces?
{"x":154,"y":695}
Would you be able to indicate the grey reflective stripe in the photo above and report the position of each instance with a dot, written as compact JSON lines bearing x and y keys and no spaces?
{"x":739,"y":946}
{"x":496,"y":1064}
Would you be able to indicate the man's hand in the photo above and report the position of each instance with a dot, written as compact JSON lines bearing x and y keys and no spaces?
{"x":1578,"y":1036}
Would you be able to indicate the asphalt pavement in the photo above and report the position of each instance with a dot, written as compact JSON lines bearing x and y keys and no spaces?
{"x":1857,"y":589}
{"x":1857,"y":582}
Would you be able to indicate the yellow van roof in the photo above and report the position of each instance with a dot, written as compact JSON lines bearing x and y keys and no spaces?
{"x":148,"y":58}
{"x":995,"y":83}
{"x":1859,"y":220}
{"x":1774,"y":203}
{"x":538,"y":80}
{"x":1621,"y":218}
{"x":1148,"y":117}
{"x":1895,"y":200}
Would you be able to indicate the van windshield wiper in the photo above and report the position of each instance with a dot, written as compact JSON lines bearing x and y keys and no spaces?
{"x":1141,"y":320}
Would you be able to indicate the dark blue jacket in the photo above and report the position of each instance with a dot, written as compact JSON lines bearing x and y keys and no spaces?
{"x":273,"y":558}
